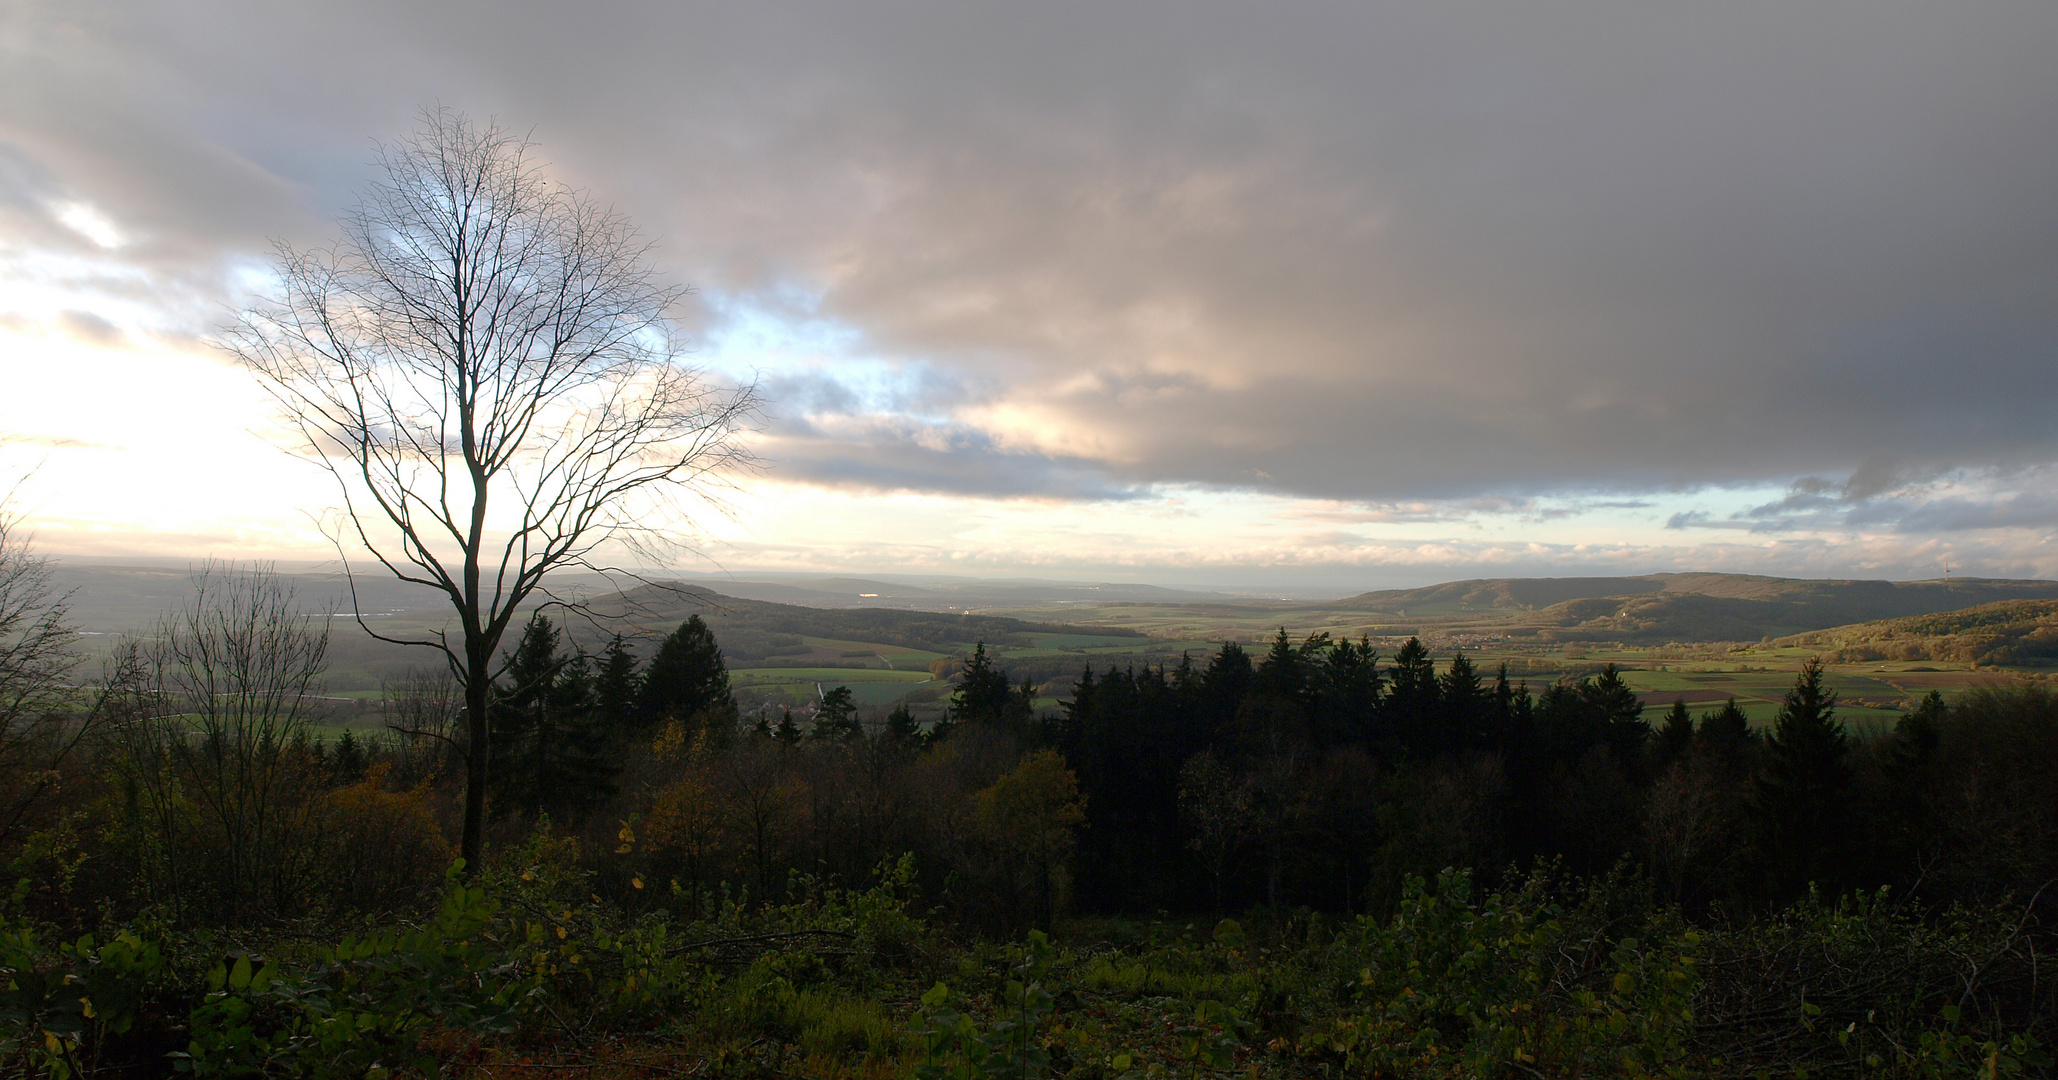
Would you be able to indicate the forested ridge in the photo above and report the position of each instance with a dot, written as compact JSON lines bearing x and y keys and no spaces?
{"x":1311,"y":860}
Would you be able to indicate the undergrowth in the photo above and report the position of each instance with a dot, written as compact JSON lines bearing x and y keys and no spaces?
{"x":526,"y":968}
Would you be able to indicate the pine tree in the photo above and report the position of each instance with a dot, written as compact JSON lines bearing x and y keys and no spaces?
{"x":1347,"y":693}
{"x":983,"y":691}
{"x":1676,"y":736}
{"x":1800,"y":802}
{"x":687,"y":681}
{"x":553,"y":751}
{"x":901,"y":725}
{"x":1621,"y":714}
{"x":348,"y":763}
{"x":1412,"y":697}
{"x":1464,"y":704}
{"x":1725,"y":733}
{"x":1501,"y":709}
{"x":836,"y":718}
{"x":616,"y":687}
{"x":1283,"y":673}
{"x":524,"y":741}
{"x":787,"y":732}
{"x":588,"y":757}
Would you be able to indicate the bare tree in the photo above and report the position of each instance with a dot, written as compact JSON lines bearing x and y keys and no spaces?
{"x":42,"y":720}
{"x":484,"y":364}
{"x":223,"y":693}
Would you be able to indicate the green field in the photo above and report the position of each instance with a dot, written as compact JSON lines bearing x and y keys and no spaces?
{"x":796,"y":686}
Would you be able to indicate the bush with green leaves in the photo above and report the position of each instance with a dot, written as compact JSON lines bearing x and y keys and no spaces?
{"x":956,"y":1047}
{"x":364,"y":1003}
{"x":61,"y":1006}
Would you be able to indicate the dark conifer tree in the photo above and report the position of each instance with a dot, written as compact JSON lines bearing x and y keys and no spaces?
{"x":1283,"y":673}
{"x":1621,"y":715}
{"x":349,"y":761}
{"x":1274,"y":716}
{"x":554,"y":753}
{"x":1725,"y":733}
{"x":1465,"y":704}
{"x":901,"y":725}
{"x":1912,"y":830}
{"x":1125,"y":734}
{"x":1566,"y":722}
{"x":1676,"y":735}
{"x":1800,"y":804}
{"x":836,"y":717}
{"x":787,"y":732}
{"x":687,"y":681}
{"x":1347,"y":694}
{"x":523,"y":741}
{"x":1501,"y":710}
{"x":1413,"y":699}
{"x":983,"y":691}
{"x":1220,"y":691}
{"x":615,"y":689}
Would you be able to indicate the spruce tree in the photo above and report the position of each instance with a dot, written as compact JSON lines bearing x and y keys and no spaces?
{"x":554,"y":752}
{"x":1347,"y":693}
{"x":983,"y":691}
{"x":1219,"y":691}
{"x":1676,"y":735}
{"x":615,"y":689}
{"x":583,"y":770}
{"x":1621,"y":714}
{"x":524,"y":741}
{"x":1412,"y":696}
{"x":1464,"y":704}
{"x":1800,"y":801}
{"x":348,"y":763}
{"x":901,"y":725}
{"x":1725,"y":733}
{"x":1283,"y":673}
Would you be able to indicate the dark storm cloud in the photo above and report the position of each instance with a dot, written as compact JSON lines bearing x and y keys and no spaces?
{"x":1358,"y":253}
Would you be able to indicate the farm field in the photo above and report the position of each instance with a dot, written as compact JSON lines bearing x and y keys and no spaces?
{"x":791,"y":687}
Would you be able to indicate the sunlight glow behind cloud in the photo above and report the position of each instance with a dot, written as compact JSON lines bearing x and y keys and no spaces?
{"x":1202,"y":292}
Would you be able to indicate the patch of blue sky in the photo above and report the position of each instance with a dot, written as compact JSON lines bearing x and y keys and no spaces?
{"x":784,"y":338}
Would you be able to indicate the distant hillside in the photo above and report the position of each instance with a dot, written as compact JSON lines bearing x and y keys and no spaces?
{"x":2012,"y":632}
{"x":946,"y":595}
{"x":1659,"y":608}
{"x":757,"y":629}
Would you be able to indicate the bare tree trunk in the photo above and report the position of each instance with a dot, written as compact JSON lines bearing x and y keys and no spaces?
{"x":477,"y":759}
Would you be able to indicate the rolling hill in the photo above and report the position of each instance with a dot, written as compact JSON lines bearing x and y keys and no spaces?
{"x":2010,"y":633}
{"x":1660,"y":608}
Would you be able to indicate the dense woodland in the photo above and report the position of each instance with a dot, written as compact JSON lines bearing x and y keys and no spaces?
{"x":1313,"y":860}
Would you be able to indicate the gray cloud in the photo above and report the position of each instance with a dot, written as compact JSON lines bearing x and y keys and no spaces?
{"x":1876,"y":500}
{"x":893,"y":454}
{"x":1375,"y":254}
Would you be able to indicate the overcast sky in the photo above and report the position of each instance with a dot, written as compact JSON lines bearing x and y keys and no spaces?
{"x":1315,"y":296}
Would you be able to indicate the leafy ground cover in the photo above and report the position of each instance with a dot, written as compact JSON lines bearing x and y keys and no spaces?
{"x":531,"y":972}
